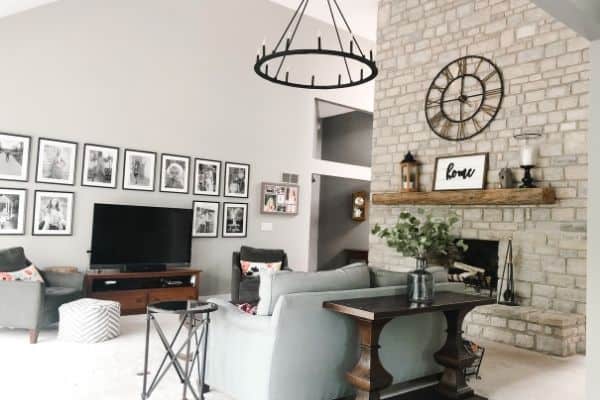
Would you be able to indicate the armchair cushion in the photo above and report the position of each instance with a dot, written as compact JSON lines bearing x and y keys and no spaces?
{"x":244,"y":289}
{"x":27,"y":274}
{"x":13,"y":259}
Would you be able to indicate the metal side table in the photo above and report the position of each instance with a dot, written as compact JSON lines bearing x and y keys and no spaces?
{"x":196,"y":315}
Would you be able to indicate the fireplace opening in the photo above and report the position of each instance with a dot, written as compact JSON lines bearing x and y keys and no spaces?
{"x":478,"y":265}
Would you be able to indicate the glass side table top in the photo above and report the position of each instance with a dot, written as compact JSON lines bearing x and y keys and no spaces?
{"x":182,"y":307}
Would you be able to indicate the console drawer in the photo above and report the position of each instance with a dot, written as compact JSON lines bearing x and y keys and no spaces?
{"x":182,"y":293}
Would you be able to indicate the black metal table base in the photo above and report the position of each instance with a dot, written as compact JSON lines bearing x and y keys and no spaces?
{"x":194,"y":348}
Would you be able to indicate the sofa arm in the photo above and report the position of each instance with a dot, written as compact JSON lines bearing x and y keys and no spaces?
{"x":21,"y":304}
{"x":73,"y":280}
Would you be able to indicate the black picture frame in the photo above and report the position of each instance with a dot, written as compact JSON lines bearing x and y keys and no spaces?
{"x":226,"y":192}
{"x":224,"y":233}
{"x":29,"y":139}
{"x":71,"y":180}
{"x":216,"y":193}
{"x":187,"y":177}
{"x":115,"y":168}
{"x":218,"y":219}
{"x":154,"y":156}
{"x":35,"y":211}
{"x":22,"y":209}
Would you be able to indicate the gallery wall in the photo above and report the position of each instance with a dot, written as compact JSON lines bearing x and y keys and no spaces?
{"x":169,"y":77}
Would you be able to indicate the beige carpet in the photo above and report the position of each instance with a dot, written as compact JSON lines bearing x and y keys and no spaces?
{"x":54,"y":370}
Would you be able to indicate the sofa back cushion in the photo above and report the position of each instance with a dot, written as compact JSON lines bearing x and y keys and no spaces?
{"x":13,"y":259}
{"x":383,"y":277}
{"x":273,"y":285}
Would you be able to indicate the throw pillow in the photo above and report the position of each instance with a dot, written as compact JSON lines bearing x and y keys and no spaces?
{"x":28,"y":274}
{"x":252,"y":268}
{"x":273,"y":285}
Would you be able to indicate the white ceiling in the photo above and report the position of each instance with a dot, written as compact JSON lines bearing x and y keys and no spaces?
{"x":9,"y":7}
{"x":361,"y":14}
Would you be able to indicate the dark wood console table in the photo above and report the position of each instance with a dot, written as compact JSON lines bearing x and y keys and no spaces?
{"x":369,"y":376}
{"x":135,"y":290}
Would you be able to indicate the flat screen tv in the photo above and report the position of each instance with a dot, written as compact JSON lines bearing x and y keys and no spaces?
{"x":134,"y":236}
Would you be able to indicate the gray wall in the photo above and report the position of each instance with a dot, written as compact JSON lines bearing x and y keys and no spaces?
{"x":166,"y":76}
{"x":346,"y":138}
{"x":337,"y":230}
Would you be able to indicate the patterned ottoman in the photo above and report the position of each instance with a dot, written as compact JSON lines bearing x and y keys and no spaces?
{"x":89,"y":321}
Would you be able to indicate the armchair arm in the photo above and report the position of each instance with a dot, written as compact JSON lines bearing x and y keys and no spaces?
{"x":73,"y":280}
{"x":236,"y":277}
{"x":21,"y":304}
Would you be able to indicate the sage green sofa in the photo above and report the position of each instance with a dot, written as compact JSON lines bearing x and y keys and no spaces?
{"x":33,"y":305}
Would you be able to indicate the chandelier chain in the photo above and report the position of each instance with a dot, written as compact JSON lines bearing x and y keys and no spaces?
{"x":292,"y":37}
{"x":337,"y":32}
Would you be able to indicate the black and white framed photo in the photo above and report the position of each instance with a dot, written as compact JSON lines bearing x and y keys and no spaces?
{"x":56,"y":162}
{"x":100,"y":165}
{"x":206,"y":219}
{"x":207,"y":177}
{"x":138,"y":170}
{"x":53,"y":213}
{"x":235,"y":220}
{"x":174,"y":173}
{"x":461,"y":172}
{"x":237,"y":180}
{"x":12,"y":211}
{"x":14,"y":157}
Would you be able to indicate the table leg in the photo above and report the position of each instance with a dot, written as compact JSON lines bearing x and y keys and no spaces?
{"x":455,"y":358}
{"x":368,"y":376}
{"x":146,"y":351}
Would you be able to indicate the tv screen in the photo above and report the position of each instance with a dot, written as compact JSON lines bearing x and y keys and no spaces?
{"x":134,"y":235}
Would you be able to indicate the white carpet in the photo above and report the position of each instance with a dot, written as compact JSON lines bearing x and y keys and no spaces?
{"x":54,"y":370}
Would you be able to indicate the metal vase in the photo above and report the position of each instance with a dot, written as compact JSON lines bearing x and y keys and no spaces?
{"x":420,"y":284}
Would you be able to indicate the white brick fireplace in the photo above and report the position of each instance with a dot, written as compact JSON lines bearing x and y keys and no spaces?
{"x":546,"y":70}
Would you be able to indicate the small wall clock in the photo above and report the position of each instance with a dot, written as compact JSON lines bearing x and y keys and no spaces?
{"x":464,"y":98}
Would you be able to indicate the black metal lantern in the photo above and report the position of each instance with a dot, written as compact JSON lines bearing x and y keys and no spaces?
{"x":283,"y":50}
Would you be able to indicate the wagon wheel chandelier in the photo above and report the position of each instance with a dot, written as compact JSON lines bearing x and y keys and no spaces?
{"x":283,"y":50}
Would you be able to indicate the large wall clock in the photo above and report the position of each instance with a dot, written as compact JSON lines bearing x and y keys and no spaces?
{"x":464,"y":98}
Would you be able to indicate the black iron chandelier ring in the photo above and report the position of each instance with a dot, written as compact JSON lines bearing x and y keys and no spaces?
{"x":262,"y":68}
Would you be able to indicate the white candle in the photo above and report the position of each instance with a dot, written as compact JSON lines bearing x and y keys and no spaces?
{"x":528,"y":156}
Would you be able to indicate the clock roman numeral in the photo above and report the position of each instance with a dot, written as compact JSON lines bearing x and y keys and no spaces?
{"x":448,"y":74}
{"x":436,"y":119}
{"x":438,"y":88}
{"x":461,"y":130}
{"x":493,"y":92}
{"x":433,"y":103}
{"x":489,"y":110}
{"x":478,"y":66}
{"x":477,"y":124}
{"x":462,"y":66}
{"x":445,"y":128}
{"x":490,"y":76}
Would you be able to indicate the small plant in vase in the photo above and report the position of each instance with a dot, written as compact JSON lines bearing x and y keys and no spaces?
{"x":421,"y":236}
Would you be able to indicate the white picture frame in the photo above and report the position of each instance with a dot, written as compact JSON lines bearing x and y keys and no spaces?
{"x":13,"y":208}
{"x":139,"y":169}
{"x":53,"y":213}
{"x":15,"y":152}
{"x":99,"y":166}
{"x":56,"y":162}
{"x":174,"y":173}
{"x":237,"y":180}
{"x":235,"y":220}
{"x":207,"y":177}
{"x":205,"y":223}
{"x":462,"y":172}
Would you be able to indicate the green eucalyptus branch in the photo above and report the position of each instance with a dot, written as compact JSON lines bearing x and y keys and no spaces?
{"x":421,"y":235}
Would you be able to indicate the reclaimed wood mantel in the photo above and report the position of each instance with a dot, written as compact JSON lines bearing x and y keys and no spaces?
{"x":506,"y":197}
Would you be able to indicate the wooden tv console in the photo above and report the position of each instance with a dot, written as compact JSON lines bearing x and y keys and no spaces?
{"x":135,"y":290}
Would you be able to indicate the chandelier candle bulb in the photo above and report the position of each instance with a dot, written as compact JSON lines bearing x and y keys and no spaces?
{"x":351,"y":47}
{"x":312,"y":81}
{"x":339,"y":79}
{"x":287,"y":76}
{"x":287,"y":43}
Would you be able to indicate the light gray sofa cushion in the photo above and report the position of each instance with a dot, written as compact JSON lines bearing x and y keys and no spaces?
{"x":276,"y":284}
{"x":382,"y":277}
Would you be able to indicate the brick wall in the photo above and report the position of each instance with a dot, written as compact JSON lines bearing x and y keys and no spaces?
{"x":546,"y":70}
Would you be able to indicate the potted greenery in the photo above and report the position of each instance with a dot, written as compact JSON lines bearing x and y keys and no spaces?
{"x":421,"y":236}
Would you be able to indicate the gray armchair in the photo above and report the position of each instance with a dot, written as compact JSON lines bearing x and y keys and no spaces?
{"x":244,"y":289}
{"x":32,"y":305}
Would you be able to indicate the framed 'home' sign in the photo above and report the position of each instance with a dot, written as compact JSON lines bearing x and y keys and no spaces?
{"x":460,"y":172}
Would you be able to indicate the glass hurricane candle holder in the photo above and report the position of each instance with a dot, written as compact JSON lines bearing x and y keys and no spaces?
{"x":528,"y":156}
